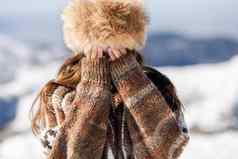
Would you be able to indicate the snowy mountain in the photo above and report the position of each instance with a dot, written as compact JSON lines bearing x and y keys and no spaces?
{"x":208,"y":92}
{"x":168,"y":48}
{"x":15,"y":54}
{"x":183,"y":32}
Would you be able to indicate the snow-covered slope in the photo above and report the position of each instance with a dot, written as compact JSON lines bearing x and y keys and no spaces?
{"x":8,"y":60}
{"x":209,"y":93}
{"x":15,"y":55}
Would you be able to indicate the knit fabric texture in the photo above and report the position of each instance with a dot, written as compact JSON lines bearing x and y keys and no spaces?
{"x":83,"y":133}
{"x":136,"y":124}
{"x":154,"y":130}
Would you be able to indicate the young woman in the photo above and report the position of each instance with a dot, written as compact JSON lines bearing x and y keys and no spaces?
{"x":104,"y":103}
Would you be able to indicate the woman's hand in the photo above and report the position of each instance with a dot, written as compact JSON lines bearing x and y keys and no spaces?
{"x":112,"y":53}
{"x":94,"y":54}
{"x":116,"y":53}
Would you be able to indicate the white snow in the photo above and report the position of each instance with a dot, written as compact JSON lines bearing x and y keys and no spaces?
{"x":222,"y":146}
{"x":21,"y":146}
{"x":209,"y":92}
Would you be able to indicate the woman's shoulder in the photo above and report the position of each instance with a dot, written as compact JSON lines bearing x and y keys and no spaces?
{"x":165,"y":86}
{"x":158,"y":78}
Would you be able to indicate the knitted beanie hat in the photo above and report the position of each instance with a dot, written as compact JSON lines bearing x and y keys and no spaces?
{"x":104,"y":23}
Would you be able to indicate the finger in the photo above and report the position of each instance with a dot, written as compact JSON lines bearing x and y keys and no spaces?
{"x":116,"y":52}
{"x":93,"y":53}
{"x":99,"y":53}
{"x":95,"y":56}
{"x":88,"y":54}
{"x":111,"y":55}
{"x":123,"y":51}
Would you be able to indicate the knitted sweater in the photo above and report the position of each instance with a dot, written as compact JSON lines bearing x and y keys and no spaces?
{"x":154,"y":129}
{"x":143,"y":127}
{"x":83,"y":133}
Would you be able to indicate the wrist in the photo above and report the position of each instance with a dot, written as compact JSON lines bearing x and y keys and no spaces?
{"x":123,"y":66}
{"x":95,"y":71}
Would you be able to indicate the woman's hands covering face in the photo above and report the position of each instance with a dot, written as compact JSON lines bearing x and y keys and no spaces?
{"x":112,"y":53}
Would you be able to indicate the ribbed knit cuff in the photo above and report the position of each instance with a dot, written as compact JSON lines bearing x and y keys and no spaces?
{"x":122,"y":66}
{"x":96,"y":71}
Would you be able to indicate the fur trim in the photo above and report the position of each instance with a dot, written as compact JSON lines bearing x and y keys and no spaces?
{"x":104,"y":23}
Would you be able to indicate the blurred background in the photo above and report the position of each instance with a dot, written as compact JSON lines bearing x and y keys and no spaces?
{"x":195,"y":43}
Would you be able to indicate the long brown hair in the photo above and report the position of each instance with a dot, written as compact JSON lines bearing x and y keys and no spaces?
{"x":68,"y":76}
